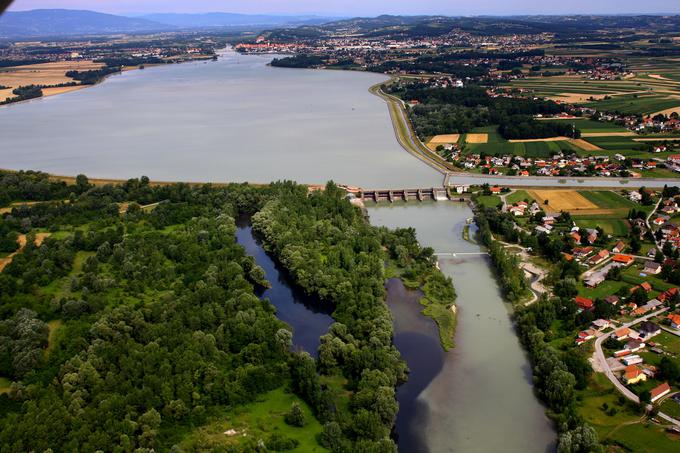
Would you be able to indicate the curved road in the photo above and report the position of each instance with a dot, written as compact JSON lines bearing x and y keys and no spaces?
{"x":600,"y":357}
{"x":406,"y":137}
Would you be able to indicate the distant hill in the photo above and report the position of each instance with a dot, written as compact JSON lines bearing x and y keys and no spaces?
{"x":231,"y":20}
{"x":387,"y":26}
{"x":63,"y":22}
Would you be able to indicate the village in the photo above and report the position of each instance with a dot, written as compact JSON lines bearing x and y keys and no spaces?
{"x":626,"y":286}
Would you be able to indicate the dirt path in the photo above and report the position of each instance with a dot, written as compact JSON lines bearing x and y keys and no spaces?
{"x":39,"y":239}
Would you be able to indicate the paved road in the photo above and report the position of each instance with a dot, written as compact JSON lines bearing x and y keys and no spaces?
{"x":649,"y":227}
{"x":600,"y":357}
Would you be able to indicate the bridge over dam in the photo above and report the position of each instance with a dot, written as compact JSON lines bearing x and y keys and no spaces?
{"x":393,"y":195}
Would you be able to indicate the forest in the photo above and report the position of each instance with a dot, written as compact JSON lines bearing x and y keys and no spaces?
{"x":131,"y":329}
{"x":93,"y":76}
{"x":24,"y":93}
{"x":459,"y":110}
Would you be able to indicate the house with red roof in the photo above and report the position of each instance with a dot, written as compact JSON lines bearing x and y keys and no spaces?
{"x":633,"y":375}
{"x":659,"y":392}
{"x":626,"y":260}
{"x":619,"y":247}
{"x":584,"y":303}
{"x":675,"y":320}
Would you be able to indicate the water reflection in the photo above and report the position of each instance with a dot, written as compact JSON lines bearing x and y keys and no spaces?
{"x":306,"y":315}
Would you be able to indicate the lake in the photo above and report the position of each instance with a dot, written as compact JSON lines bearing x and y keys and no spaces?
{"x":233,"y":120}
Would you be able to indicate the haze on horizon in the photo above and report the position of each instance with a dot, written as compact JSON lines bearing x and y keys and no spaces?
{"x":360,"y":7}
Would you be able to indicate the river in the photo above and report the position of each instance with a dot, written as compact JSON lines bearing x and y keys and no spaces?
{"x":478,"y":397}
{"x":308,"y":318}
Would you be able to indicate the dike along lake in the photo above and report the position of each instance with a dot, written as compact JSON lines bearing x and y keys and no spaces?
{"x":238,"y":119}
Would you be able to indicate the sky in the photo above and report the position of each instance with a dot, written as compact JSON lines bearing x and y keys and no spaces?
{"x":362,"y":7}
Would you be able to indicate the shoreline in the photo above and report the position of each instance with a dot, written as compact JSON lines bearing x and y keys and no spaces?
{"x":73,"y":88}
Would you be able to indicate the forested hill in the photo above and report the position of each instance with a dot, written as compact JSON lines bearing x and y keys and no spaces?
{"x":129,"y":319}
{"x":65,"y":22}
{"x":398,"y":27}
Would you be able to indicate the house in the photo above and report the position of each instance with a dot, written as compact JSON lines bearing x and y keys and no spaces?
{"x":634,"y":195}
{"x":595,"y":280}
{"x":640,"y":311}
{"x":659,"y":392}
{"x":619,"y":247}
{"x":653,"y":304}
{"x":633,"y":375}
{"x":622,"y":333}
{"x":598,"y":257}
{"x":675,"y":321}
{"x":666,"y":295}
{"x":601,"y":324}
{"x":581,"y":252}
{"x":621,"y":353}
{"x":626,"y":260}
{"x":649,"y":329}
{"x":634,"y":345}
{"x":576,"y":237}
{"x":586,"y":334}
{"x":652,"y":268}
{"x":584,"y":303}
{"x":495,"y":189}
{"x":644,"y":285}
{"x":614,"y":300}
{"x":631,"y":359}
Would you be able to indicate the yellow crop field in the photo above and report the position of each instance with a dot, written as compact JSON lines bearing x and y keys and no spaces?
{"x":444,"y":139}
{"x":477,"y":138}
{"x":562,"y":200}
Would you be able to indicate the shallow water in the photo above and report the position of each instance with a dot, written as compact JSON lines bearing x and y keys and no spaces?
{"x":479,"y":397}
{"x":235,"y":119}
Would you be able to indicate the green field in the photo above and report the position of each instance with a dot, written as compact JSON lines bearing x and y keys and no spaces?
{"x":617,"y":423}
{"x":606,"y":288}
{"x":615,"y":227}
{"x":607,"y":199}
{"x":635,"y":104}
{"x":517,"y":196}
{"x":490,"y":201}
{"x":259,"y":420}
{"x":586,"y":125}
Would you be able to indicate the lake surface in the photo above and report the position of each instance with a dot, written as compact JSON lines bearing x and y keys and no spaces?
{"x":478,"y":397}
{"x":235,"y":119}
{"x":308,"y":318}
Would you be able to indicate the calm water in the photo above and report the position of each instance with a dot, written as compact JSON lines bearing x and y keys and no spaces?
{"x":231,"y":120}
{"x":477,"y":397}
{"x":305,"y":315}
